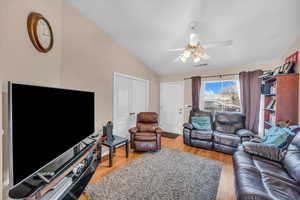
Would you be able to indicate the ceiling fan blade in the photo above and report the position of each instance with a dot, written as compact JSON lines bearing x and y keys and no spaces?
{"x":205,"y":56}
{"x":201,"y":65}
{"x":217,"y":44}
{"x":176,"y":59}
{"x":178,"y":49}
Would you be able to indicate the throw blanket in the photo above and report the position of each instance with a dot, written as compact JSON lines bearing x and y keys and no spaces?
{"x":277,"y":136}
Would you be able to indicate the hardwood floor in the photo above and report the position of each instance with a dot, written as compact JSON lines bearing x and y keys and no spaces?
{"x":226,"y":185}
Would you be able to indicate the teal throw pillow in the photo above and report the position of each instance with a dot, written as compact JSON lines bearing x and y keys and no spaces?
{"x":201,"y":123}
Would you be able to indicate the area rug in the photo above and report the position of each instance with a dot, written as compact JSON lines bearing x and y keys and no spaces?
{"x":165,"y":175}
{"x":169,"y":135}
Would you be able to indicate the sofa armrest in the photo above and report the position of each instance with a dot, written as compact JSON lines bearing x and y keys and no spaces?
{"x":133,"y":130}
{"x":267,"y":151}
{"x":188,"y":126}
{"x":245,"y":133}
{"x":256,"y":140}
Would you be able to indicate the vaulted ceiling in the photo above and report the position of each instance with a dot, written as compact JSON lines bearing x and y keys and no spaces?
{"x":261,"y":30}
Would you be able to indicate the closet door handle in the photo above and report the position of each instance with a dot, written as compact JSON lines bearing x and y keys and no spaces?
{"x":133,"y":113}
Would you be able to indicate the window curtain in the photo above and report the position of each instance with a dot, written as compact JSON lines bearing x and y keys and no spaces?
{"x":250,"y":98}
{"x":196,"y":85}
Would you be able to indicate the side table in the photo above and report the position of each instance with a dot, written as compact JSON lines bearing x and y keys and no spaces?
{"x":118,"y":141}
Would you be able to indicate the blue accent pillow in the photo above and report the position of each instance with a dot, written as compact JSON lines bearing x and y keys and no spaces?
{"x":201,"y":123}
{"x":276,"y":136}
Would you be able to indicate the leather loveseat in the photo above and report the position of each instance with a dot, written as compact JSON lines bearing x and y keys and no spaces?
{"x":264,"y":172}
{"x":227,"y":133}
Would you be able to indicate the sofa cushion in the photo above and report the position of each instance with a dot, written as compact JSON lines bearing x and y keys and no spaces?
{"x":201,"y":113}
{"x":145,"y":146}
{"x":144,"y":136}
{"x":144,"y":127}
{"x":264,"y":150}
{"x":201,"y":135}
{"x":291,"y":160}
{"x":147,"y":117}
{"x":226,"y":139}
{"x":229,"y":122}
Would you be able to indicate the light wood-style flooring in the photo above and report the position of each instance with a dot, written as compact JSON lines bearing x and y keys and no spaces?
{"x":226,"y":185}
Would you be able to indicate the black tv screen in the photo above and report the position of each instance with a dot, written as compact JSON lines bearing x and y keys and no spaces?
{"x":45,"y":123}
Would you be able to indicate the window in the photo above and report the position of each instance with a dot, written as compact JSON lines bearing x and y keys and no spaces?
{"x":221,"y":96}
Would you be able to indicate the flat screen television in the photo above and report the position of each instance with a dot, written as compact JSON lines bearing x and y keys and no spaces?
{"x":44,"y":124}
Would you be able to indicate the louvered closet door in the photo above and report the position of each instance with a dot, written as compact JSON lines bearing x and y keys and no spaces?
{"x":130,"y":98}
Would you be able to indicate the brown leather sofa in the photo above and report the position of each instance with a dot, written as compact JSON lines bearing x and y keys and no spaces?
{"x":146,"y":136}
{"x":228,"y":131}
{"x":264,"y":172}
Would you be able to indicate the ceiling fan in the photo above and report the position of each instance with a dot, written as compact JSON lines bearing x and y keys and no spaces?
{"x":200,"y":65}
{"x":194,"y":49}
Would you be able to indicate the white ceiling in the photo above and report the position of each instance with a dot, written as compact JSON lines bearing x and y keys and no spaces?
{"x":261,"y":29}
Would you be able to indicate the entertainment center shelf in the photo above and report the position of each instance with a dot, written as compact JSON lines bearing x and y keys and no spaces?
{"x":53,"y":149}
{"x":37,"y":189}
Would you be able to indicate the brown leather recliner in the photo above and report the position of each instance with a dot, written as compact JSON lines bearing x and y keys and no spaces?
{"x":146,"y":136}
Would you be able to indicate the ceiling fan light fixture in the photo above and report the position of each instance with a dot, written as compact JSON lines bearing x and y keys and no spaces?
{"x":183,"y":58}
{"x":194,"y":39}
{"x":198,"y":53}
{"x":187,"y":53}
{"x":196,"y":59}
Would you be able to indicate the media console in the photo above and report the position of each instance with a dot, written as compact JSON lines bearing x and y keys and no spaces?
{"x":68,"y":182}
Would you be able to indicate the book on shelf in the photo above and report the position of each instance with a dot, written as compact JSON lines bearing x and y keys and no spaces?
{"x":272,"y":118}
{"x":271,"y":105}
{"x":266,"y":76}
{"x":272,"y":90}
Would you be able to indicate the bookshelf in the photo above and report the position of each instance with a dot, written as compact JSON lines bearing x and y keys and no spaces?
{"x":281,"y":103}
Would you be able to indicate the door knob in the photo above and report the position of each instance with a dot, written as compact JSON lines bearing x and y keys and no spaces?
{"x":133,"y":113}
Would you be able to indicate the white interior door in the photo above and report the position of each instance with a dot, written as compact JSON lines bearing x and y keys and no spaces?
{"x":171,"y":106}
{"x":123,"y":103}
{"x":130,"y":97}
{"x":140,"y":100}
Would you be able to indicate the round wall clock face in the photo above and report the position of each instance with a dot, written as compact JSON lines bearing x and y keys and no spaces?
{"x":43,"y":32}
{"x":40,"y":32}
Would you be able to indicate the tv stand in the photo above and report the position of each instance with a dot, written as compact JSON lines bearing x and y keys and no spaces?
{"x":67,"y":183}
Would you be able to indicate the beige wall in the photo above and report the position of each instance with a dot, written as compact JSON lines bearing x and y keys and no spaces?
{"x":1,"y":165}
{"x":86,"y":59}
{"x":208,"y":72}
{"x":89,"y":59}
{"x":20,"y":62}
{"x":293,"y":48}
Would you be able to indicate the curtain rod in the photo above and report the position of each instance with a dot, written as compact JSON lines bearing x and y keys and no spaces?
{"x":220,"y":75}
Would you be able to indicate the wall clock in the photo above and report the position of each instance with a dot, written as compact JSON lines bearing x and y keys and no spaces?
{"x":40,"y":32}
